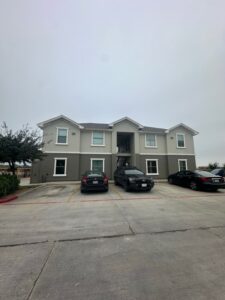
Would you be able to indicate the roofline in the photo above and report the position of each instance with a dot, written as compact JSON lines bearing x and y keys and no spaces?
{"x":183,"y":125}
{"x":126,"y":118}
{"x":42,"y":124}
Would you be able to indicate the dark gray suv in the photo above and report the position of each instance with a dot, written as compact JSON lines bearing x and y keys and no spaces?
{"x":131,"y":178}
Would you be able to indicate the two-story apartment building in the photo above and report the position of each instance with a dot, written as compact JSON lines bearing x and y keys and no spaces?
{"x":71,"y":149}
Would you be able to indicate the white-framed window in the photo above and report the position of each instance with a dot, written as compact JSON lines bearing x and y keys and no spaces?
{"x":182,"y":164}
{"x":98,"y":164}
{"x":62,"y":136}
{"x":152,"y":167}
{"x":98,"y":138}
{"x":150,"y":140}
{"x":180,"y":140}
{"x":60,"y":166}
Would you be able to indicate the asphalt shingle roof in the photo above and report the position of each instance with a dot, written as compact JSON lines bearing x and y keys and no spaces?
{"x":103,"y":126}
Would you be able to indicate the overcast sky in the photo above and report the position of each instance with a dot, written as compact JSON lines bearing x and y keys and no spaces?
{"x":158,"y":62}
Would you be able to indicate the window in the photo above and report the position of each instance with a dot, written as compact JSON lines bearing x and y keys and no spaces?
{"x":180,"y":140}
{"x":182,"y":164}
{"x":60,"y":166}
{"x":150,"y":140}
{"x":98,"y":138}
{"x":98,"y":164}
{"x":62,"y":136}
{"x":152,"y":167}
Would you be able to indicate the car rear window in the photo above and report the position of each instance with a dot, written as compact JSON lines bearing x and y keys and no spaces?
{"x":94,"y":174}
{"x":204,"y":173}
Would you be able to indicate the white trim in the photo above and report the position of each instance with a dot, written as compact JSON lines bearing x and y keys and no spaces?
{"x":57,"y":135}
{"x":157,"y":166}
{"x":167,"y":154}
{"x":55,"y":160}
{"x":42,"y":124}
{"x":110,"y":153}
{"x":77,"y":152}
{"x":62,"y":152}
{"x":179,"y":160}
{"x":178,"y":147}
{"x":97,"y":153}
{"x":96,"y":158}
{"x":156,"y":145}
{"x":102,"y":145}
{"x":182,"y":125}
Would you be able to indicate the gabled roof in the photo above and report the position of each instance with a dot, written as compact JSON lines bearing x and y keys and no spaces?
{"x":154,"y":130}
{"x":42,"y":124}
{"x":182,"y":125}
{"x":126,"y":119}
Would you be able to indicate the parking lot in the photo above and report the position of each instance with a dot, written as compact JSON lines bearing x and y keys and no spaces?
{"x":56,"y":243}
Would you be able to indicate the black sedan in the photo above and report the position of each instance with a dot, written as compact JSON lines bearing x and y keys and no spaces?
{"x":94,"y":181}
{"x":132,"y":178}
{"x":197,"y":180}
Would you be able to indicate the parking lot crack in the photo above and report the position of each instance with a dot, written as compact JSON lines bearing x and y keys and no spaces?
{"x":42,"y":269}
{"x":125,"y":218}
{"x":181,"y":230}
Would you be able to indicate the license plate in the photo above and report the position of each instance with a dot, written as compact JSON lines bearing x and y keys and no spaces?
{"x":144,"y":184}
{"x":95,"y":181}
{"x":216,"y":180}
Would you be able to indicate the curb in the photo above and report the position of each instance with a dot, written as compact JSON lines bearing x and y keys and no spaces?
{"x":8,"y":198}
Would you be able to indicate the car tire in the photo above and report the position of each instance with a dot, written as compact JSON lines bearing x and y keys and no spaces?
{"x":149,"y":190}
{"x":116,"y":182}
{"x":82,"y":191}
{"x":170,"y":180}
{"x":193,"y":186}
{"x":126,"y":187}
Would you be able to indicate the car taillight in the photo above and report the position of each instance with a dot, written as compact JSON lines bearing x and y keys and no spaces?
{"x":84,"y":179}
{"x":205,"y":179}
{"x":106,"y":179}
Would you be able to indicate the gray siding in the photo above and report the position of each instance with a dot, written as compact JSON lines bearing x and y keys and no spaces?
{"x":43,"y":170}
{"x":172,"y":142}
{"x":173,"y":162}
{"x":85,"y":162}
{"x":162,"y":165}
{"x":50,"y":136}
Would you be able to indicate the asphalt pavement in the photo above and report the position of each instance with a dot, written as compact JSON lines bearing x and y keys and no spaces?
{"x":56,"y":243}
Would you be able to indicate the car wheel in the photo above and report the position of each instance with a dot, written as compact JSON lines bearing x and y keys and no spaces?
{"x":116,"y":182}
{"x":170,"y":180}
{"x":82,"y":191}
{"x":149,"y":190}
{"x":126,"y":187}
{"x":193,"y":186}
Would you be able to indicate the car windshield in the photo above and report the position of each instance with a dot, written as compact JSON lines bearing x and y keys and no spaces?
{"x":204,"y":173}
{"x":133,"y":172}
{"x":94,"y":174}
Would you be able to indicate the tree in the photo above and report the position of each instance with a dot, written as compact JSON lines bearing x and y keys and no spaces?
{"x":212,"y":166}
{"x":23,"y":146}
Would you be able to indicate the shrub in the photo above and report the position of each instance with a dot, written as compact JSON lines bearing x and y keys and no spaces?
{"x":8,"y":184}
